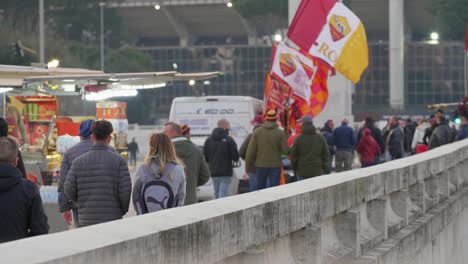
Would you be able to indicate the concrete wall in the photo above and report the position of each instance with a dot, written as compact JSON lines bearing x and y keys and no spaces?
{"x":407,"y":211}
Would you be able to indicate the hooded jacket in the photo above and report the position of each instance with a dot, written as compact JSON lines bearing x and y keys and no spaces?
{"x":22,"y":214}
{"x":368,"y":147}
{"x":220,"y":151}
{"x":310,"y":156}
{"x":267,"y":145}
{"x":196,"y":169}
{"x":99,"y":182}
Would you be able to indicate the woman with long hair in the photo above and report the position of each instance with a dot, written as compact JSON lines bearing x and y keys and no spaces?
{"x":160,"y":181}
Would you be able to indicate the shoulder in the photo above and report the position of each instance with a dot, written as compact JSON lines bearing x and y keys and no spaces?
{"x":29,"y":188}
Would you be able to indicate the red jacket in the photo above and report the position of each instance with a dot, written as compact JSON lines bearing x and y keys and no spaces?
{"x":297,"y":132}
{"x":368,"y":147}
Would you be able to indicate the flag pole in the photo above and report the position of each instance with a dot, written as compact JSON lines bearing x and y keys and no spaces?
{"x":466,"y":72}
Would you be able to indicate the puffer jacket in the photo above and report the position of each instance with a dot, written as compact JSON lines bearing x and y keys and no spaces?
{"x":442,"y":135}
{"x":220,"y":152}
{"x":99,"y":182}
{"x":310,"y":156}
{"x":267,"y":145}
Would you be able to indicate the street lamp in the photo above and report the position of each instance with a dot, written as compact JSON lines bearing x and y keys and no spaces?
{"x":229,"y":4}
{"x":54,"y":63}
{"x":434,"y":36}
{"x":278,"y":37}
{"x":101,"y":7}
{"x":191,"y":82}
{"x":157,"y":7}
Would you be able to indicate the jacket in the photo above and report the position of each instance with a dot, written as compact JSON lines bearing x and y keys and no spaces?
{"x":409,"y":130}
{"x":74,"y":152}
{"x":196,"y":169}
{"x":22,"y":214}
{"x":176,"y":181}
{"x":220,"y":151}
{"x":395,"y":142}
{"x":327,"y":133}
{"x":442,"y":135}
{"x":310,"y":156}
{"x":463,"y":132}
{"x":375,"y":133}
{"x":344,"y":138}
{"x":418,"y":137}
{"x":267,"y":145}
{"x":99,"y":182}
{"x":368,"y":147}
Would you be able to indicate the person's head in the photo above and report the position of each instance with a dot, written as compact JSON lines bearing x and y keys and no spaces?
{"x":3,"y":127}
{"x":366,"y":132}
{"x":224,"y":124}
{"x":161,"y":151}
{"x":440,"y":119}
{"x":369,"y":122}
{"x":330,"y":124}
{"x":345,"y":122}
{"x":271,"y":115}
{"x":85,"y":128}
{"x":8,"y":151}
{"x":307,"y":120}
{"x":101,"y":132}
{"x":172,"y":130}
{"x":421,"y":121}
{"x":185,"y":130}
{"x":393,"y":121}
{"x":463,"y":109}
{"x":432,"y":122}
{"x":133,"y":139}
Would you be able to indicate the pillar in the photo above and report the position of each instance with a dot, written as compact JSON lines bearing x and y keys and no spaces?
{"x":397,"y":51}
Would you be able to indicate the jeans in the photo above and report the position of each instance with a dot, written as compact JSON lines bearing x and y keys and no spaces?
{"x":221,"y":186}
{"x":270,"y":175}
{"x":299,"y":178}
{"x":253,"y":181}
{"x":132,"y":159}
{"x":343,"y":160}
{"x":75,"y":217}
{"x":366,"y":164}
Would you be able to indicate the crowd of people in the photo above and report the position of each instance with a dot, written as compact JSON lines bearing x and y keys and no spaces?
{"x":95,"y":185}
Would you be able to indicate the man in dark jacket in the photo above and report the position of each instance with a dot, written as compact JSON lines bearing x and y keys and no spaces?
{"x":327,"y":133}
{"x":21,"y":212}
{"x":85,"y":145}
{"x":133,"y":150}
{"x":243,"y":154}
{"x":196,"y":169}
{"x":442,"y":135}
{"x":395,"y":139}
{"x":98,"y":181}
{"x":267,"y":145}
{"x":409,"y":134}
{"x":310,"y":156}
{"x":220,"y":152}
{"x":4,"y":133}
{"x":345,"y":141}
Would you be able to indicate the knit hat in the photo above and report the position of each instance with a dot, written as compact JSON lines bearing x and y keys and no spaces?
{"x":85,"y":128}
{"x":306,"y":119}
{"x":185,"y":129}
{"x":271,"y":115}
{"x":3,"y":127}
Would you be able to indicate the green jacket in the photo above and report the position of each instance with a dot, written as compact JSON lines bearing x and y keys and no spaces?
{"x":310,"y":156}
{"x":265,"y":148}
{"x":196,"y":169}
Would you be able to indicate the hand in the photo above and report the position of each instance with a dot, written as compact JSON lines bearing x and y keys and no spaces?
{"x":245,"y":176}
{"x":67,"y":217}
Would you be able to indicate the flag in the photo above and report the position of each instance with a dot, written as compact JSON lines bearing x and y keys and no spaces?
{"x":327,"y":29}
{"x":466,"y":38}
{"x":293,"y":69}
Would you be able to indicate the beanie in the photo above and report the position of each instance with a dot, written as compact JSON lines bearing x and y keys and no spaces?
{"x":306,"y":120}
{"x":271,"y":115}
{"x":85,"y":128}
{"x":3,"y":127}
{"x":185,"y":129}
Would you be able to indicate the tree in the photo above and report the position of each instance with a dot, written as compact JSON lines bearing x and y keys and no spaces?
{"x":451,"y":18}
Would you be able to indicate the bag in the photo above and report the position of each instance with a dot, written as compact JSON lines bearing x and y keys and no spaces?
{"x":156,"y":193}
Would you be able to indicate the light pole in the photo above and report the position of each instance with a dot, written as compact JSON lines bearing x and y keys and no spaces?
{"x":41,"y":32}
{"x":101,"y":7}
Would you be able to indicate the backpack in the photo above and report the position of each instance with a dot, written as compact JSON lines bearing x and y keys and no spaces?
{"x":157,"y":193}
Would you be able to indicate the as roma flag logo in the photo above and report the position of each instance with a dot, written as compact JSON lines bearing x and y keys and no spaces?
{"x":287,"y":64}
{"x":339,"y":27}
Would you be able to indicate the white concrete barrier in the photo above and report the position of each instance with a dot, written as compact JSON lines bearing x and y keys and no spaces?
{"x":391,"y":213}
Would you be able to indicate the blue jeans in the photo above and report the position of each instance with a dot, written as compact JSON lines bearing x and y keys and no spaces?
{"x":221,"y":186}
{"x":270,"y":175}
{"x":132,"y":158}
{"x":253,"y":181}
{"x":75,"y":217}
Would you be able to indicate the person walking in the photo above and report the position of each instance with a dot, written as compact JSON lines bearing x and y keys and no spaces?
{"x":395,"y":139}
{"x":21,"y":211}
{"x":99,"y":181}
{"x":4,"y":133}
{"x":408,"y":131}
{"x":160,"y":181}
{"x":368,"y":149}
{"x":417,"y":145}
{"x":267,"y":145}
{"x":251,"y":174}
{"x":197,"y":172}
{"x":327,"y":133}
{"x":310,"y":156}
{"x":220,"y":151}
{"x":345,"y":141}
{"x":442,"y":134}
{"x":133,"y":150}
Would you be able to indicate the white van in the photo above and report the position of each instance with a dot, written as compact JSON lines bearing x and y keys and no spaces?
{"x":202,"y":114}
